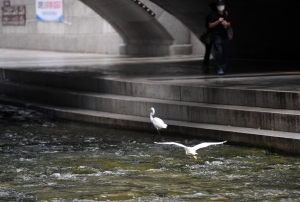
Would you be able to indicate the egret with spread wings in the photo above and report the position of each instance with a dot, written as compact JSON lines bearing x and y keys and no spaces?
{"x":192,"y":150}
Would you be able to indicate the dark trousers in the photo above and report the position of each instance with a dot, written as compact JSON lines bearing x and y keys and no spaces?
{"x":208,"y":47}
{"x":221,"y":52}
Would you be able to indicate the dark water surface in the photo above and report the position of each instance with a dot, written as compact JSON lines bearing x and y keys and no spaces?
{"x":45,"y":159}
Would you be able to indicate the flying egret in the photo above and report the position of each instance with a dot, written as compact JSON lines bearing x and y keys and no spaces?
{"x":157,"y":122}
{"x":192,"y":150}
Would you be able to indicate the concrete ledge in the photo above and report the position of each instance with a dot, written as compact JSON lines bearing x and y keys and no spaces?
{"x":241,"y":116}
{"x":190,"y":93}
{"x":279,"y":141}
{"x":184,"y":49}
{"x":144,"y":50}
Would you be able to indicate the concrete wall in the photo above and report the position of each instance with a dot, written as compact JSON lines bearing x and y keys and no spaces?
{"x":88,"y":32}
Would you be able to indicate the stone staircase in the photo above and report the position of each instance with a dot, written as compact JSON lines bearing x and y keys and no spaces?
{"x":264,"y":118}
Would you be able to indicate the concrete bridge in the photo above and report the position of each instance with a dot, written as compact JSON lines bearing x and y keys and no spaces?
{"x":258,"y":25}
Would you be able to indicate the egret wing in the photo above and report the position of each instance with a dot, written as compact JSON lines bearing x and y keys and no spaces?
{"x":206,"y":144}
{"x":159,"y":123}
{"x":175,"y":143}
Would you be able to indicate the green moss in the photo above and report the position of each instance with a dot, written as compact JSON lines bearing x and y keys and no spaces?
{"x":82,"y":171}
{"x":117,"y":198}
{"x":6,"y":185}
{"x":109,"y":164}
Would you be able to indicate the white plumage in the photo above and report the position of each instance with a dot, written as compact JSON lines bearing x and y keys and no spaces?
{"x":157,"y":122}
{"x":192,"y":150}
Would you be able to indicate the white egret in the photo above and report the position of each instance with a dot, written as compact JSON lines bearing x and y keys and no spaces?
{"x":192,"y":150}
{"x":157,"y":122}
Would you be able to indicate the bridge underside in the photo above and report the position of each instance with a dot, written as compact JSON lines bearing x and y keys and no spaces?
{"x":141,"y":32}
{"x":262,"y":29}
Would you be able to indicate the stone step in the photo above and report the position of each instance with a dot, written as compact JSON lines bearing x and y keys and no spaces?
{"x":228,"y":115}
{"x":274,"y":140}
{"x":159,"y":90}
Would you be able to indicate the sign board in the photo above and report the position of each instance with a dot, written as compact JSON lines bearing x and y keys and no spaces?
{"x":13,"y":15}
{"x":49,"y":10}
{"x":6,"y":3}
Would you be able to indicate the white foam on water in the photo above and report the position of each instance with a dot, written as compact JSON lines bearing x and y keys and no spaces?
{"x":236,"y":176}
{"x":49,"y":152}
{"x":67,"y":176}
{"x":19,"y":170}
{"x":23,"y":159}
{"x":157,"y":170}
{"x":23,"y":177}
{"x":117,"y":173}
{"x":198,"y":194}
{"x":214,"y":163}
{"x":4,"y":194}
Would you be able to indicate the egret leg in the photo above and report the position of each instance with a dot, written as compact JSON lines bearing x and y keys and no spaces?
{"x":158,"y":132}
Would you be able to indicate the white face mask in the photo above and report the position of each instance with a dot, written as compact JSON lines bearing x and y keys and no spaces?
{"x":221,"y":8}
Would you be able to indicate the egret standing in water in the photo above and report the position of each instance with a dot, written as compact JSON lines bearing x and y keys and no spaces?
{"x":157,"y":122}
{"x":192,"y":150}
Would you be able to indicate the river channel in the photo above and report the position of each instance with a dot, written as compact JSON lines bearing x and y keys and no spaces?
{"x":47,"y":159}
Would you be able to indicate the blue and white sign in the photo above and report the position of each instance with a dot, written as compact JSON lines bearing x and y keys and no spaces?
{"x":49,"y":10}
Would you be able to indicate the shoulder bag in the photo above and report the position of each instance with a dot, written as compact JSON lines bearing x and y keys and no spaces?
{"x":229,"y":30}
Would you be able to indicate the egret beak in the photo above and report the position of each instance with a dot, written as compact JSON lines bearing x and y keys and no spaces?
{"x":195,"y":157}
{"x":149,"y":109}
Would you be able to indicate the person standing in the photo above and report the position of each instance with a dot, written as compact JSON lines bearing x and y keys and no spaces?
{"x":219,"y":21}
{"x":208,"y":43}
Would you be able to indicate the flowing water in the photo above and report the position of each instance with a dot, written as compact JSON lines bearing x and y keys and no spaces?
{"x":45,"y":159}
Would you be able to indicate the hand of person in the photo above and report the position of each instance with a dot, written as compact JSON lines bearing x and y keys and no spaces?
{"x":224,"y":22}
{"x":221,"y":19}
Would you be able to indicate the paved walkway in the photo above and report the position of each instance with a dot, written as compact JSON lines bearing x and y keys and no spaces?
{"x":186,"y":70}
{"x":30,"y":58}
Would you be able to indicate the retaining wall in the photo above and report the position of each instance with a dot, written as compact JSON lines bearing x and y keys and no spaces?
{"x":83,"y":30}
